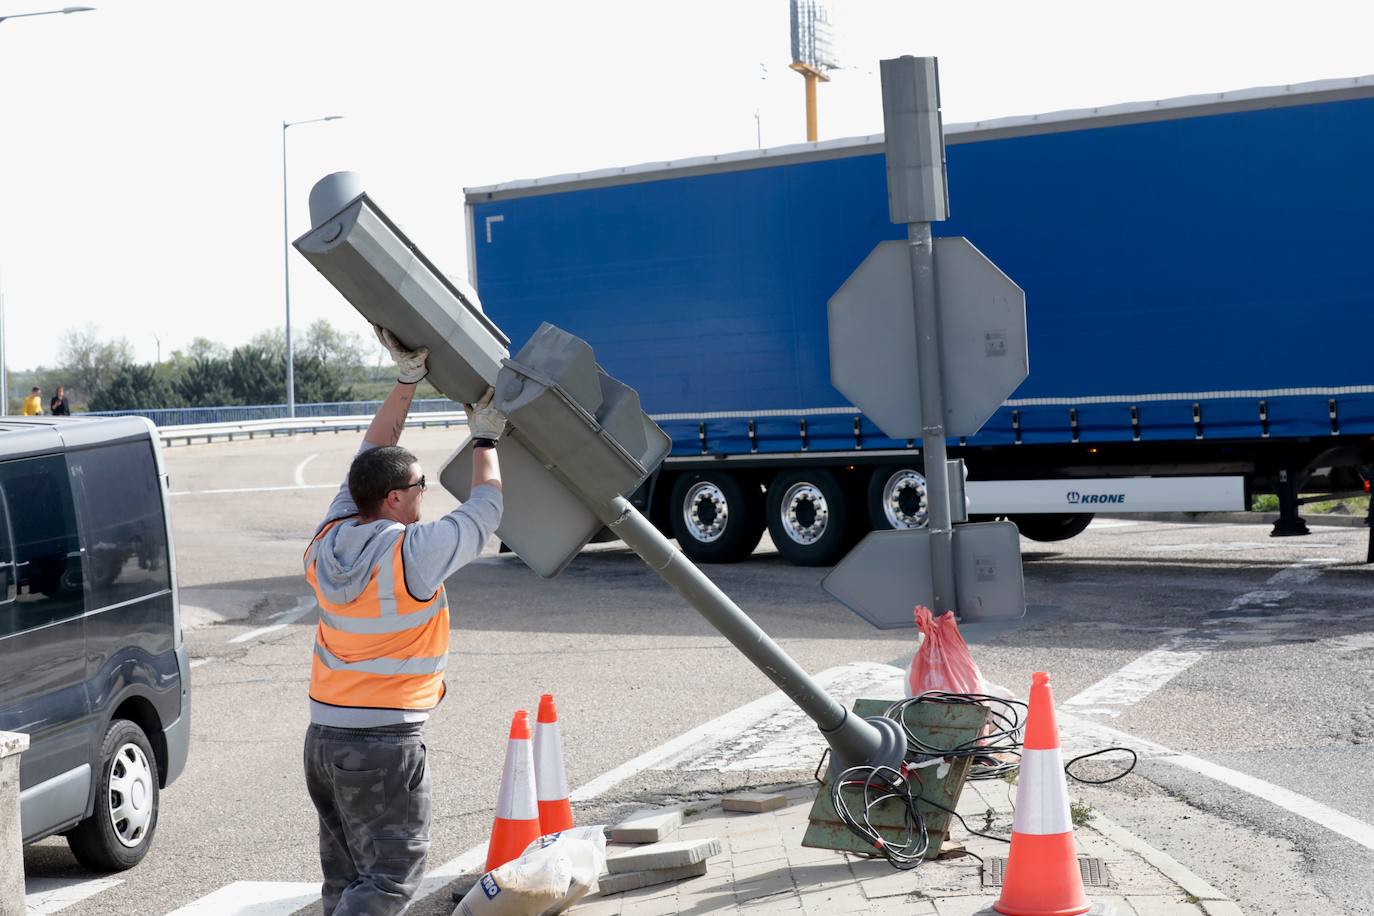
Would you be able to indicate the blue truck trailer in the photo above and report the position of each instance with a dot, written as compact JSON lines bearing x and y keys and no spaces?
{"x":1199,"y":280}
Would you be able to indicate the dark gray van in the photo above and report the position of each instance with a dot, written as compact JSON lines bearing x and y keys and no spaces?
{"x":92,"y":665}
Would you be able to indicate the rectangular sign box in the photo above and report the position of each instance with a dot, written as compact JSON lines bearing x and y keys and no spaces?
{"x":1107,"y":495}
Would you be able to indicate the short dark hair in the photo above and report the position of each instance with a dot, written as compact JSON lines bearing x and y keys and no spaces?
{"x":36,"y":388}
{"x":375,"y":473}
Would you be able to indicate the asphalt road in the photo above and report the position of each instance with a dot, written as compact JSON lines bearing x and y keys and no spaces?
{"x":1203,"y":642}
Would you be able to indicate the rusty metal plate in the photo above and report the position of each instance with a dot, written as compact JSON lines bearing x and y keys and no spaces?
{"x":936,"y":724}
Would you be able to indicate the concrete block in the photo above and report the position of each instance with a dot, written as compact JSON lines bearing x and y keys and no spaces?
{"x":753,"y":802}
{"x":630,"y":880}
{"x":648,"y":826}
{"x":12,"y":745}
{"x":662,"y":855}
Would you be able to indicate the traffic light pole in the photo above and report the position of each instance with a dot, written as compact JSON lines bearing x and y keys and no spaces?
{"x":853,"y":741}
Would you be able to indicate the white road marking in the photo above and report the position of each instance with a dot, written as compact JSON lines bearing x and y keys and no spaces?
{"x":308,"y":486}
{"x":727,"y":731}
{"x":303,"y":606}
{"x":197,"y":662}
{"x":254,"y":898}
{"x":1139,"y":679}
{"x":1083,"y":734}
{"x":1129,"y":685}
{"x":1102,"y":524}
{"x":52,"y":895}
{"x":299,"y":476}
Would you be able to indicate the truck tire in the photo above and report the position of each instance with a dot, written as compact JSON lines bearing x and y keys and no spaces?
{"x":1039,"y":527}
{"x":715,"y":517}
{"x":897,"y":497}
{"x":809,"y":517}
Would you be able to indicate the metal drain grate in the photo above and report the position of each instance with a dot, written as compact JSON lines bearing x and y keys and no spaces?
{"x":1094,"y":872}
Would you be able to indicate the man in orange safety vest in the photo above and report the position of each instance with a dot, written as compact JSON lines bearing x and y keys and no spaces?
{"x":380,"y":648}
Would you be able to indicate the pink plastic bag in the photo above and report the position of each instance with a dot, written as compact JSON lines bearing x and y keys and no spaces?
{"x":942,"y":660}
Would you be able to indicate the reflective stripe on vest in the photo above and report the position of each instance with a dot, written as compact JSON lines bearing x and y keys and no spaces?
{"x":384,"y":649}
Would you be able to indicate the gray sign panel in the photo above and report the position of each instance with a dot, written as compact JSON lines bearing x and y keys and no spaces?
{"x":914,"y":141}
{"x":543,"y":521}
{"x":888,"y":574}
{"x":982,"y":337}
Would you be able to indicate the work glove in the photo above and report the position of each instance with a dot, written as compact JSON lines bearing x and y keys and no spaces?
{"x":485,"y":421}
{"x":410,"y":364}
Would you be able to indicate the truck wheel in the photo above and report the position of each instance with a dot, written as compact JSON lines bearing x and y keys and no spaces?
{"x":809,"y":517}
{"x":119,"y":831}
{"x":1039,"y":527}
{"x":897,"y":498}
{"x":715,"y":517}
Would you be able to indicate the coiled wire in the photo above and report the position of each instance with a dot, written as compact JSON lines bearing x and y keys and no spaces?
{"x":858,"y":790}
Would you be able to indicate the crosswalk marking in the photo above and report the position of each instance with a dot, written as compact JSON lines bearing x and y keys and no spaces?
{"x":52,"y":895}
{"x":254,"y":898}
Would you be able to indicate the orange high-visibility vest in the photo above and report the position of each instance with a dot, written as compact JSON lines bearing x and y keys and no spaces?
{"x":385,"y":649}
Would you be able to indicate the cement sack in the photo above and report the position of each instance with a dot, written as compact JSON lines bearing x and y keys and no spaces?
{"x":552,"y":874}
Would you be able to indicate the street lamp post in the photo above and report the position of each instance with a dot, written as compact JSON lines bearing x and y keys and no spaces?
{"x":4,"y":371}
{"x":286,"y":264}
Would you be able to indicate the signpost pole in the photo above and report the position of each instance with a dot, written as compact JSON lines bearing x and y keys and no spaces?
{"x":917,"y":195}
{"x":928,"y":366}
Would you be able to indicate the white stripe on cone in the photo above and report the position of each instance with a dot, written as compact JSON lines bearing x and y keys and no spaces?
{"x":1042,"y":800}
{"x":517,"y":801}
{"x":550,"y":778}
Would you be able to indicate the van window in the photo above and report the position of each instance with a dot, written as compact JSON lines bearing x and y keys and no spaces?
{"x":40,"y":554}
{"x":126,"y":532}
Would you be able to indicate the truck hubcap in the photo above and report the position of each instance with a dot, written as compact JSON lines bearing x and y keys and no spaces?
{"x":706,"y":512}
{"x":805,"y":513}
{"x":904,"y":499}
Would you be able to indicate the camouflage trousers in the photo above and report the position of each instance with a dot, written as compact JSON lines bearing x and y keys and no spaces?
{"x":371,"y":789}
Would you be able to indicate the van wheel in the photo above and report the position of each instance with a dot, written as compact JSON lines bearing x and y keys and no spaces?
{"x":897,"y":498}
{"x":119,"y":831}
{"x":1039,"y":527}
{"x":715,"y":517}
{"x":809,"y":517}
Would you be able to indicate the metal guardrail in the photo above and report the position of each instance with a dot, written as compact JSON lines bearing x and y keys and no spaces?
{"x":187,"y":416}
{"x":272,"y":428}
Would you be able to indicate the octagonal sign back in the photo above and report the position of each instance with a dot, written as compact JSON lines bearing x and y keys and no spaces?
{"x":982,"y":338}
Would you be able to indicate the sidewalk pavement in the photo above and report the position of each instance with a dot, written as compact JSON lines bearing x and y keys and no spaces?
{"x":763,"y":869}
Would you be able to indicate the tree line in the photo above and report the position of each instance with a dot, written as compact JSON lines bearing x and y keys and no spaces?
{"x":102,"y":374}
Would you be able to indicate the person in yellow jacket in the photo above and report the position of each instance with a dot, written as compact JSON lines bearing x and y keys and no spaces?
{"x":377,"y":667}
{"x":33,"y":404}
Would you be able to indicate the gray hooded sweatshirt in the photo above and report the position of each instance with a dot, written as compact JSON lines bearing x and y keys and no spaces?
{"x":433,"y":551}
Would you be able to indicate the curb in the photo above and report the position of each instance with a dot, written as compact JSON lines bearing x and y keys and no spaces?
{"x":1237,"y":518}
{"x":1166,"y":864}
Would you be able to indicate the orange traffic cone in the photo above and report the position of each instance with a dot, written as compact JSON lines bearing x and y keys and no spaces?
{"x":1042,"y":876}
{"x":517,"y":816}
{"x":550,"y":778}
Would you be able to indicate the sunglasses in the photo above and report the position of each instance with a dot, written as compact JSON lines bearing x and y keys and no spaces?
{"x":410,"y":486}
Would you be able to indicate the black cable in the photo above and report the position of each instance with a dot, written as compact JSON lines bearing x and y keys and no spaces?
{"x":877,"y":785}
{"x":964,"y":823}
{"x":1003,"y":738}
{"x":1102,"y":782}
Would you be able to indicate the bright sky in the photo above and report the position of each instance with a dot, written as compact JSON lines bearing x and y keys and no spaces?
{"x":140,"y":144}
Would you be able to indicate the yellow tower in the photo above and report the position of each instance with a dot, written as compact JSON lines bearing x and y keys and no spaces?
{"x":812,"y":55}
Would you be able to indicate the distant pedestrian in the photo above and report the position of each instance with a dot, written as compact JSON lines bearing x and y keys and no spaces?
{"x":33,"y":404}
{"x":58,"y":405}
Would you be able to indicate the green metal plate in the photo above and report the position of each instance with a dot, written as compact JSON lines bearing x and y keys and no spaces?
{"x":935,"y":724}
